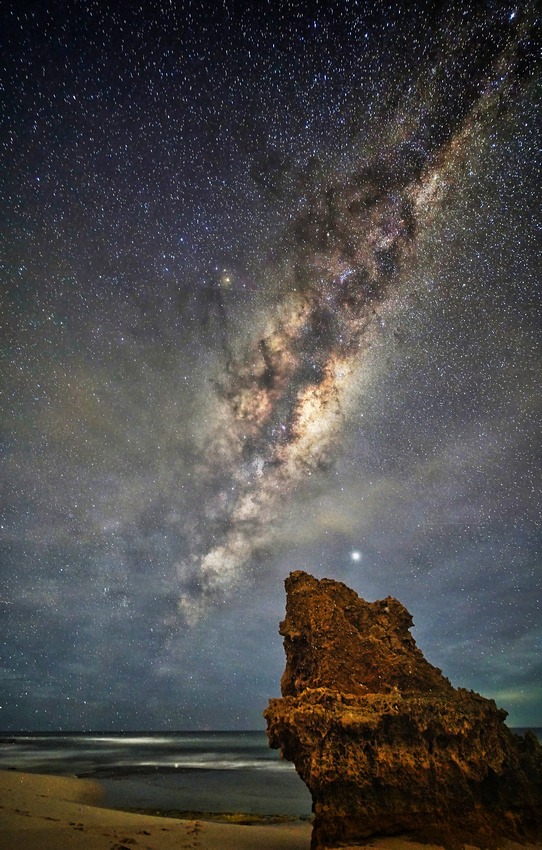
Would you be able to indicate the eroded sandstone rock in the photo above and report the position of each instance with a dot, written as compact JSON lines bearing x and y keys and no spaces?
{"x":383,"y":741}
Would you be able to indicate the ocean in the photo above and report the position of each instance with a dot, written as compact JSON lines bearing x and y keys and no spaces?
{"x":171,"y":772}
{"x":215,"y":772}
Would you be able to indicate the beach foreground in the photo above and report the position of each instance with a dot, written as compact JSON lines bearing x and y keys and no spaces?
{"x":39,"y":812}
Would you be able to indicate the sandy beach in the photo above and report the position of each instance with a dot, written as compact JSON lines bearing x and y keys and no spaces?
{"x":39,"y":812}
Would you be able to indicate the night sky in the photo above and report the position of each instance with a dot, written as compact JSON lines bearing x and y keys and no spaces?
{"x":271,"y":300}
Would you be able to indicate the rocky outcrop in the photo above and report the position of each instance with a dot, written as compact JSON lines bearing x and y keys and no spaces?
{"x":383,"y":741}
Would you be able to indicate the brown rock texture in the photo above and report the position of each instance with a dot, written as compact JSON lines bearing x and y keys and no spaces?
{"x":383,"y":741}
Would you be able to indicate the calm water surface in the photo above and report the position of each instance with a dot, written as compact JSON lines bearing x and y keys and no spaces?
{"x":197,"y":771}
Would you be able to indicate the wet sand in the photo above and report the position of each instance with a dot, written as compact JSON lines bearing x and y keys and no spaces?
{"x":39,"y":812}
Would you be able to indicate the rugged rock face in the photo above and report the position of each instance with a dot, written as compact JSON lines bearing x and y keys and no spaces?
{"x":383,"y":741}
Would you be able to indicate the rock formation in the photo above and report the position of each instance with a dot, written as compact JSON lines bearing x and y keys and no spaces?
{"x":383,"y":741}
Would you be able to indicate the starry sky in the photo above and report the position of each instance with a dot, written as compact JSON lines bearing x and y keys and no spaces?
{"x":271,"y":300}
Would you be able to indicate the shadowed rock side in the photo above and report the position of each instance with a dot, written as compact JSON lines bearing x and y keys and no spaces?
{"x":383,"y":741}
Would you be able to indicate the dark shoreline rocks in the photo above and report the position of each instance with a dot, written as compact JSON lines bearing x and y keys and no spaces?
{"x":383,"y":741}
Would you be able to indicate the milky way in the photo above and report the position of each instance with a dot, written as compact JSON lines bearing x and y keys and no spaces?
{"x":283,"y":401}
{"x":272,"y":302}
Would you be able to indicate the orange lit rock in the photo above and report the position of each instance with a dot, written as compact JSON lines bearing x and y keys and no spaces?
{"x":383,"y":741}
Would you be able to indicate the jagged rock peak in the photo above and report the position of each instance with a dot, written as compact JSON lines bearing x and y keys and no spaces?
{"x":333,"y":639}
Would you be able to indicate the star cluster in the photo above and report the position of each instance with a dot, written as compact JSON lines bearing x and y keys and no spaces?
{"x":271,"y":301}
